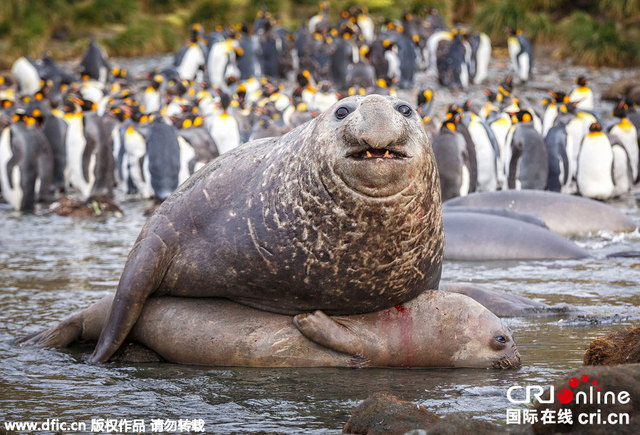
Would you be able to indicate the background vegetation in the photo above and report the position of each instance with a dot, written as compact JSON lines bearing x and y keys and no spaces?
{"x":602,"y":32}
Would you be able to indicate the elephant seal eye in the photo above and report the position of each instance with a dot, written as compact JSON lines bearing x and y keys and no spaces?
{"x":405,"y":110}
{"x":342,"y":112}
{"x":500,"y":339}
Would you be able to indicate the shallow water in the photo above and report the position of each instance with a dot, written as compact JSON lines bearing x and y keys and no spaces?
{"x":53,"y":266}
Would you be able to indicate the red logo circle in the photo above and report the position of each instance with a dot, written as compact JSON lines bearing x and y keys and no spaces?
{"x":565,"y":395}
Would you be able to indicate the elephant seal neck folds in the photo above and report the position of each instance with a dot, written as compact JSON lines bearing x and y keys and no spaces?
{"x":360,"y":191}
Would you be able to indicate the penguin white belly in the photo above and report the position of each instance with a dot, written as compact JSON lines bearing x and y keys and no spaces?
{"x":513,"y":46}
{"x":322,"y":101}
{"x":13,"y":195}
{"x":485,"y":157}
{"x":93,"y":91}
{"x":507,"y":153}
{"x":392,"y":58}
{"x":225,"y":133}
{"x":583,"y":97}
{"x":151,"y":101}
{"x":75,"y":145}
{"x":465,"y":182}
{"x":483,"y":56}
{"x":136,"y":150}
{"x":594,"y":167}
{"x":367,"y":28}
{"x":572,"y":148}
{"x":549,"y":118}
{"x":576,"y":130}
{"x":217,"y":64}
{"x":628,"y":135}
{"x":187,"y":154}
{"x":621,"y":176}
{"x":192,"y":61}
{"x":27,"y":76}
{"x":523,"y":67}
{"x":464,"y":75}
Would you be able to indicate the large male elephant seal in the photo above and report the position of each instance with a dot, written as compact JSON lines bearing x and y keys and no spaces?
{"x":436,"y":329}
{"x":341,"y":214}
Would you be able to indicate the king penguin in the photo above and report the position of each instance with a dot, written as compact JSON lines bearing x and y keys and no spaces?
{"x":94,"y":63}
{"x":26,"y":166}
{"x":90,"y":165}
{"x":595,"y":165}
{"x":486,"y":150}
{"x":190,"y":59}
{"x":162,"y":160}
{"x":520,"y":53}
{"x":425,"y":103}
{"x":529,"y":163}
{"x":628,"y":135}
{"x":622,"y":177}
{"x":224,"y":128}
{"x":480,"y":57}
{"x":26,"y":72}
{"x":556,"y":143}
{"x":450,"y":151}
{"x":582,"y":94}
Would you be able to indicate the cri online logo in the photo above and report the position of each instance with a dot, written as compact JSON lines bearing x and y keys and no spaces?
{"x":566,"y":395}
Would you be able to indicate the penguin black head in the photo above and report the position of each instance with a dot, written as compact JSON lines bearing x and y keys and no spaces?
{"x":425,"y":96}
{"x":559,"y":96}
{"x":620,"y":111}
{"x":491,"y":96}
{"x":449,"y":124}
{"x":506,"y":87}
{"x":595,"y":127}
{"x":225,"y":101}
{"x":6,"y":82}
{"x":581,"y":81}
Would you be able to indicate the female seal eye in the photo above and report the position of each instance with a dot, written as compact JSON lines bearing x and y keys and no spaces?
{"x":342,"y":112}
{"x":500,"y":339}
{"x":405,"y":110}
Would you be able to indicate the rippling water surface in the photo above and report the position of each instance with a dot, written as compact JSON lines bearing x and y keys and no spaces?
{"x":53,"y":266}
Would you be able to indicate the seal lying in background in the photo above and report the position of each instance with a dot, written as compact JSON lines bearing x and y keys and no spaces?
{"x":341,"y":214}
{"x":436,"y":329}
{"x":472,"y":236}
{"x":567,"y":215}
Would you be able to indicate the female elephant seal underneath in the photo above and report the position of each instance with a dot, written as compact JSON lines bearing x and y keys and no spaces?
{"x":219,"y":332}
{"x":341,"y":214}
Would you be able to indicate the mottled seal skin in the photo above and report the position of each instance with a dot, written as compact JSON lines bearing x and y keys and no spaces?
{"x":436,"y":329}
{"x":564,"y":214}
{"x":298,"y":223}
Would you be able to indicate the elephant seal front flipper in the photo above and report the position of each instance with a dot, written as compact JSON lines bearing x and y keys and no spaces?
{"x":140,"y":278}
{"x":332,"y":333}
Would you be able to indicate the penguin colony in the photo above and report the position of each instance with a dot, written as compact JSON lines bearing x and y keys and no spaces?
{"x":94,"y":130}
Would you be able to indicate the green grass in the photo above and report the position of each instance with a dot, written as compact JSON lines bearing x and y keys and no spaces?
{"x":591,"y":42}
{"x":143,"y":37}
{"x":603,"y":32}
